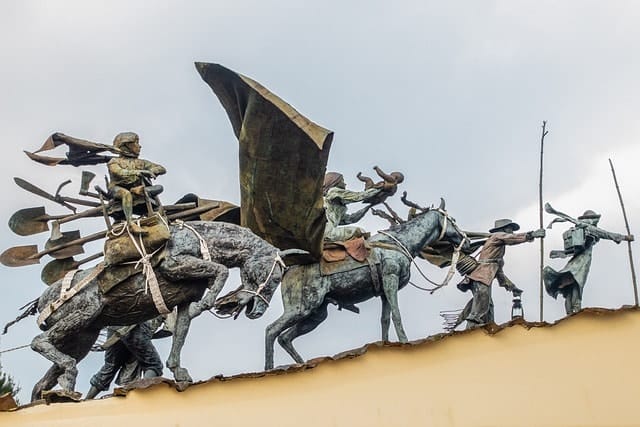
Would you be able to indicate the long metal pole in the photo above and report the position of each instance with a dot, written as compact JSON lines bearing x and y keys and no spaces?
{"x":544,"y":133}
{"x":626,"y":224}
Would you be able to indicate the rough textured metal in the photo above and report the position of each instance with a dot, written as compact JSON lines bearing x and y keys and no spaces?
{"x":183,"y":276}
{"x":283,"y":158}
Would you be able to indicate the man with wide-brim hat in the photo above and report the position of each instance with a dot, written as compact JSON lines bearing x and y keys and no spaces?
{"x":579,"y":242}
{"x":490,"y":263}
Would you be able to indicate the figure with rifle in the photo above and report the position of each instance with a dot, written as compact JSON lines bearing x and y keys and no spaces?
{"x":579,"y":241}
{"x":490,"y":262}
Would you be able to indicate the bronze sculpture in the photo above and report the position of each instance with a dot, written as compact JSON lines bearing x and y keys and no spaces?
{"x":129,"y":357}
{"x":579,"y":241}
{"x":489,"y":266}
{"x":307,"y":289}
{"x":130,"y":176}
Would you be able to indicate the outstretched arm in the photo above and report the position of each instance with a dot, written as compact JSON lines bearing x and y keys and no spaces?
{"x":355,"y":216}
{"x":603,"y":234}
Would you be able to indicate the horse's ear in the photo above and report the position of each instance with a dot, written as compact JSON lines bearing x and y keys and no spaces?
{"x":442,"y":204}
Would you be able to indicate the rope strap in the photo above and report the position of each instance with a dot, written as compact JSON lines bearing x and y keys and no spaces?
{"x":67,"y":294}
{"x":204,"y":249}
{"x":151,"y":281}
{"x":277,"y":261}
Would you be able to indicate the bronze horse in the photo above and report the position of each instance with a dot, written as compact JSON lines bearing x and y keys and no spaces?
{"x":183,"y":277}
{"x":306,"y":293}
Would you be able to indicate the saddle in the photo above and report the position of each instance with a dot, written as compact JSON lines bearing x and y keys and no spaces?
{"x":337,"y":251}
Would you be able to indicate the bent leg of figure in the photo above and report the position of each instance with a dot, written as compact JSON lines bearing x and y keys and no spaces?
{"x":114,"y":358}
{"x":139,"y":343}
{"x":480,"y":306}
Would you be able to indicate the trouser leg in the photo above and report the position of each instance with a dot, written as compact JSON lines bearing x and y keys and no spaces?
{"x":481,"y":305}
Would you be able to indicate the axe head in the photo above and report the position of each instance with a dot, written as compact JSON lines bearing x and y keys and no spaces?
{"x":87,"y":177}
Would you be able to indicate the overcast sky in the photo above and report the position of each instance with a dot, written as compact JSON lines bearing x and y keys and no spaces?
{"x":453,"y":94}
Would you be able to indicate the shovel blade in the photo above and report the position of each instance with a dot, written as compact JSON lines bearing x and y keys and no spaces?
{"x":67,"y":236}
{"x":56,"y":269}
{"x":29,"y":221}
{"x":19,"y":256}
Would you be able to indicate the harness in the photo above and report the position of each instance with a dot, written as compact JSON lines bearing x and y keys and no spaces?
{"x":446,"y":219}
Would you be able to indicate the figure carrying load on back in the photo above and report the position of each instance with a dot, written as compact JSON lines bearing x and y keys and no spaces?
{"x":130,"y":176}
{"x":578,"y":243}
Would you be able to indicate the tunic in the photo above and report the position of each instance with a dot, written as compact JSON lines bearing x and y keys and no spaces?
{"x":335,"y":203}
{"x":125,"y":171}
{"x":577,"y":269}
{"x":490,"y":260}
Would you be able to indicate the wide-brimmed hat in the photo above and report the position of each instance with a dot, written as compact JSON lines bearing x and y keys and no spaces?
{"x":503,"y":223}
{"x":589,"y":214}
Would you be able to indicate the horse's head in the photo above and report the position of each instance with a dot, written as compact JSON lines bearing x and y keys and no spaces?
{"x":450,"y":232}
{"x":259,"y":281}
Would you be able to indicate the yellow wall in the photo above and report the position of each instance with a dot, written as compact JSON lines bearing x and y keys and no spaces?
{"x":580,"y":372}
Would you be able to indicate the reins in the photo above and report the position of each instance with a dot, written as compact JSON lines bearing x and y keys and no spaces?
{"x":276,"y":262}
{"x":454,"y":258}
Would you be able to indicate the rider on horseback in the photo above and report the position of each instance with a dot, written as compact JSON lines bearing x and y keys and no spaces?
{"x":336,"y":198}
{"x":130,"y":175}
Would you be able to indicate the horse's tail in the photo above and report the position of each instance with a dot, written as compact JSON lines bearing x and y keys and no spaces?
{"x":31,"y":308}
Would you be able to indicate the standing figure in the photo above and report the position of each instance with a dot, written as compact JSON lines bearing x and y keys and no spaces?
{"x":336,"y":199}
{"x":132,"y":356}
{"x":129,"y":175}
{"x":578,"y":242}
{"x":490,"y":263}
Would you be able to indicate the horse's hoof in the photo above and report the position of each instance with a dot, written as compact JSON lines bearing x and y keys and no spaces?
{"x":182,"y":375}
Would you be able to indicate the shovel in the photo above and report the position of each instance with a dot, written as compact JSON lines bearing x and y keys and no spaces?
{"x":28,"y":221}
{"x":18,"y":256}
{"x":56,"y":269}
{"x":58,"y":239}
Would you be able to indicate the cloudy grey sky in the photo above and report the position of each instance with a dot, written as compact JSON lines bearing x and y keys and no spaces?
{"x":451,"y":93}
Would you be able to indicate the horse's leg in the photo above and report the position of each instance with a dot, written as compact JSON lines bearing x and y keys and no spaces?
{"x":390,"y":286}
{"x":298,"y":302}
{"x":305,"y":326}
{"x":188,"y":267}
{"x":183,"y":321}
{"x":69,"y":330}
{"x":47,"y":382}
{"x":385,"y":318}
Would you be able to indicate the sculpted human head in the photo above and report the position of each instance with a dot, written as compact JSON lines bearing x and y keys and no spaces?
{"x":128,"y":143}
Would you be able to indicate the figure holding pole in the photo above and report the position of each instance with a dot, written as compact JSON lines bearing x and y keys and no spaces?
{"x":578,"y":243}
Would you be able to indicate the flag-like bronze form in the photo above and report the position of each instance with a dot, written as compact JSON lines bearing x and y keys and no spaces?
{"x":283,"y":158}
